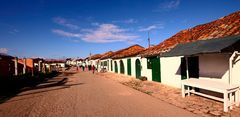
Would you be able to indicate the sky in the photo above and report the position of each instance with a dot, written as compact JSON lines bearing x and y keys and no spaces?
{"x":76,"y":28}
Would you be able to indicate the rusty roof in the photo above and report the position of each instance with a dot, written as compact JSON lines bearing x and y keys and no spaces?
{"x":128,"y":52}
{"x":107,"y":55}
{"x":96,"y":56}
{"x":223,"y":27}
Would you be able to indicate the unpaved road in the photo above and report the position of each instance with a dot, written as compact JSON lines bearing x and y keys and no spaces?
{"x":86,"y":95}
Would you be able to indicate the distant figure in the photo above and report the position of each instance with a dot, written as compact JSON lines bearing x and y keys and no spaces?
{"x":89,"y":67}
{"x":93,"y":69}
{"x":83,"y":68}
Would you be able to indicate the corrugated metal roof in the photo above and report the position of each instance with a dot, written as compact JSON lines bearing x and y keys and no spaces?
{"x":216,"y":45}
{"x":226,"y":26}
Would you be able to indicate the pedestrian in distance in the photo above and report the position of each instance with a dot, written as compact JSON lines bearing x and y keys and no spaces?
{"x":93,"y":69}
{"x":83,"y":68}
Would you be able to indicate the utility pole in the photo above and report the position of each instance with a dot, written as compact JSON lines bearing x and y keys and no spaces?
{"x":148,"y":40}
{"x":90,"y":55}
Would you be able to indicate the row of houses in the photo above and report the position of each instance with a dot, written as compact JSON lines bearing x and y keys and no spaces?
{"x":205,"y":52}
{"x":14,"y":66}
{"x":204,"y":47}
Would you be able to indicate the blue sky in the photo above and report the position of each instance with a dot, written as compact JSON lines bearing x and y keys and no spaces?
{"x":74,"y":28}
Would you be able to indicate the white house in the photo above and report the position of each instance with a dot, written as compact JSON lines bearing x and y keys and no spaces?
{"x":95,"y":61}
{"x":55,"y":64}
{"x":105,"y":61}
{"x":127,"y":62}
{"x":206,"y":56}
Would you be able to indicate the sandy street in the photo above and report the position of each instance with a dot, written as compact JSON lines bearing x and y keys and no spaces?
{"x":86,"y":95}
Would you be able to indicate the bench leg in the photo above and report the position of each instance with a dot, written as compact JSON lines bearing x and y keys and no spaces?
{"x":183,"y":91}
{"x":225,"y":102}
{"x":231,"y":100}
{"x":188,"y":91}
{"x":237,"y":98}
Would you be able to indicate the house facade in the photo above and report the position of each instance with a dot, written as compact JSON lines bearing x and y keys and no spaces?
{"x":6,"y":66}
{"x":106,"y":61}
{"x":127,"y":62}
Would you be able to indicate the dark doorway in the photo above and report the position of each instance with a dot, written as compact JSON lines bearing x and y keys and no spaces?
{"x":116,"y":67}
{"x":121,"y":67}
{"x":193,"y":67}
{"x":138,"y":68}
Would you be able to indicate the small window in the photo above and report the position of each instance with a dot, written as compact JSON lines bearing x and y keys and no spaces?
{"x":105,"y":63}
{"x":149,"y":63}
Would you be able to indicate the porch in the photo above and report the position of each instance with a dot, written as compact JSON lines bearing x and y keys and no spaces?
{"x":226,"y":83}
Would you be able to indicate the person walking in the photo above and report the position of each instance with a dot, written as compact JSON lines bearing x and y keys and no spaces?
{"x":93,"y":69}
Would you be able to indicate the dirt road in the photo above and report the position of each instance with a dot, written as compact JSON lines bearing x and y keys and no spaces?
{"x":86,"y":95}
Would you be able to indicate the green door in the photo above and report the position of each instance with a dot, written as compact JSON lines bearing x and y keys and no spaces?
{"x":115,"y":66}
{"x":129,"y":67}
{"x":156,"y":71}
{"x":138,"y":68}
{"x":121,"y":67}
{"x":111,"y":66}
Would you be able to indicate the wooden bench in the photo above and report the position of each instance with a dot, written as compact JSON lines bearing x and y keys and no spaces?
{"x":230,"y":92}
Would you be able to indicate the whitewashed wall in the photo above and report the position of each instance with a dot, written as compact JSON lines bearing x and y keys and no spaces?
{"x":118,"y":64}
{"x":145,"y":72}
{"x":214,"y":67}
{"x":108,"y":67}
{"x":236,"y":72}
{"x":171,"y":71}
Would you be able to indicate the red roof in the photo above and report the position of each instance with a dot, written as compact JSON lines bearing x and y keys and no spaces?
{"x":225,"y":26}
{"x":107,"y":55}
{"x":96,"y":56}
{"x":128,"y":52}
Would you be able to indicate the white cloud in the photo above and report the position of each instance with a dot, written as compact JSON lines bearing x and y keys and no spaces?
{"x":64,"y":22}
{"x":171,"y":4}
{"x":4,"y":50}
{"x":66,"y":34}
{"x":103,"y":33}
{"x":168,"y":5}
{"x":152,"y":27}
{"x":108,"y":33}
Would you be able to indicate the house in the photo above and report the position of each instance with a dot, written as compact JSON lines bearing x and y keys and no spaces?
{"x":38,"y":64}
{"x":126,"y":61}
{"x":79,"y":62}
{"x":72,"y":61}
{"x":167,"y":67}
{"x":95,"y":61}
{"x":6,"y":66}
{"x":26,"y":66}
{"x":55,"y":65}
{"x":106,"y":61}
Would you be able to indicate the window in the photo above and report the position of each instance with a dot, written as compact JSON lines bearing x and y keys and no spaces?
{"x":105,"y":63}
{"x":149,"y":63}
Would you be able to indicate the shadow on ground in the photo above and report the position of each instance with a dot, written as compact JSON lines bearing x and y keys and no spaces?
{"x":10,"y":87}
